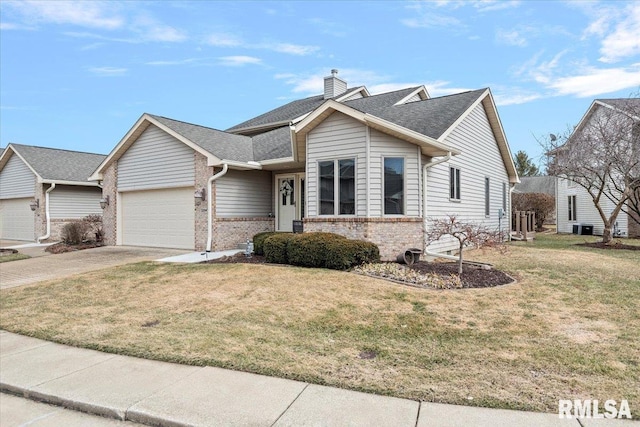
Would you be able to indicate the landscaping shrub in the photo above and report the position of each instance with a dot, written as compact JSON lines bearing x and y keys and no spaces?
{"x":321,"y":250}
{"x":258,"y":241}
{"x":310,"y":249}
{"x":275,"y":247}
{"x":74,"y":233}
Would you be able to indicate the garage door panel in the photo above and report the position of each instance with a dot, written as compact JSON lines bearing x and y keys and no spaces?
{"x":17,"y":219}
{"x":158,"y":218}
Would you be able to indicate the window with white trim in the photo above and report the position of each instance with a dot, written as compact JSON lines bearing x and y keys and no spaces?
{"x":454,"y":183}
{"x":393,"y":186}
{"x":337,"y":193}
{"x":572,"y":213}
{"x":487,"y":196}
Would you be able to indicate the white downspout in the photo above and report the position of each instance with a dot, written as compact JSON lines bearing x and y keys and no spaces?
{"x":46,"y":213}
{"x":425,"y":224}
{"x":225,"y":167}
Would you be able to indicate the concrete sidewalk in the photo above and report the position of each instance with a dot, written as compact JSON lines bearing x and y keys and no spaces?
{"x":167,"y":394}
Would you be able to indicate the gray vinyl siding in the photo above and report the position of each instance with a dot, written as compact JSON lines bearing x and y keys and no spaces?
{"x":383,"y":145}
{"x":244,"y":194}
{"x":337,"y":137}
{"x":480,"y":158}
{"x":414,"y":98}
{"x":16,"y":179}
{"x":74,"y":201}
{"x":356,"y":95}
{"x":586,"y":212}
{"x":156,"y":160}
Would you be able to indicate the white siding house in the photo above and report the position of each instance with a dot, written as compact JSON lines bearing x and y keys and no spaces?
{"x":54,"y":181}
{"x":344,"y":161}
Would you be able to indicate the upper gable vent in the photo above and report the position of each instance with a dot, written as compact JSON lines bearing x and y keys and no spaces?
{"x":334,"y":86}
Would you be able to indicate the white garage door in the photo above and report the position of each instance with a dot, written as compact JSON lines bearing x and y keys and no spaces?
{"x":16,"y":219}
{"x":158,"y":218}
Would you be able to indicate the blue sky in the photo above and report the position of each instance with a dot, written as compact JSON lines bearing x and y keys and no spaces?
{"x":77,"y":75}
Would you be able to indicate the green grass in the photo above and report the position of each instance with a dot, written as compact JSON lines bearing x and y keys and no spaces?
{"x":13,"y":257}
{"x":568,"y":329}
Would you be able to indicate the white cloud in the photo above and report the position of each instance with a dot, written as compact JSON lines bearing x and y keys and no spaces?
{"x":108,"y":71}
{"x":7,"y":26}
{"x":591,"y":81}
{"x":223,"y":40}
{"x":238,"y":61}
{"x":511,"y":37}
{"x":174,"y":62}
{"x":94,"y":14}
{"x":289,"y":48}
{"x":151,"y":30}
{"x":441,"y":88}
{"x":493,"y":5}
{"x":513,"y":96}
{"x":624,"y":41}
{"x":433,"y":14}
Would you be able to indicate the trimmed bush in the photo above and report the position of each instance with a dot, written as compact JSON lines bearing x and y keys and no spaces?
{"x":74,"y":233}
{"x":320,"y":250}
{"x":258,"y":241}
{"x":275,"y":247}
{"x":310,"y":249}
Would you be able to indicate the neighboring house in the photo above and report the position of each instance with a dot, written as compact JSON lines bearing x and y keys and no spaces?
{"x":539,"y":184}
{"x":373,"y":167}
{"x":574,"y":205}
{"x":55,"y":182}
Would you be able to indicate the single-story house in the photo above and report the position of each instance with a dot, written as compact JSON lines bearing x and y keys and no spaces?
{"x":574,"y":205}
{"x":41,"y":189}
{"x":538,"y":184}
{"x":373,"y":167}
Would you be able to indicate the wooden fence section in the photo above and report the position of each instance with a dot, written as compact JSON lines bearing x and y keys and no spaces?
{"x":523,"y":225}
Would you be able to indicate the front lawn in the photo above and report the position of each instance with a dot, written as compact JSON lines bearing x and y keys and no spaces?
{"x":568,"y":329}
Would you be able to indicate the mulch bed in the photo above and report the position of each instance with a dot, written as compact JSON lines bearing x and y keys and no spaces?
{"x":472,"y":276}
{"x":616,"y":245}
{"x":60,"y":248}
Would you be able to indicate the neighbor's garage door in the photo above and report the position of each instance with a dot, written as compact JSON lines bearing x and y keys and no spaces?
{"x":158,"y":218}
{"x":16,"y":219}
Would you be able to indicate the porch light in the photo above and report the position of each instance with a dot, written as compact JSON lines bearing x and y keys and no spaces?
{"x":104,"y":202}
{"x":200,"y":194}
{"x":35,"y":204}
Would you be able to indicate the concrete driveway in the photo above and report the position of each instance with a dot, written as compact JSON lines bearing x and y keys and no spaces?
{"x":27,"y":271}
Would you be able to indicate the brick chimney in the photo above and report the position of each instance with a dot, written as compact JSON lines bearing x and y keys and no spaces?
{"x":334,"y":86}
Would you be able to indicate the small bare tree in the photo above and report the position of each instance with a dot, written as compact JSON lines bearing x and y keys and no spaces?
{"x":602,"y":155}
{"x":467,"y":234}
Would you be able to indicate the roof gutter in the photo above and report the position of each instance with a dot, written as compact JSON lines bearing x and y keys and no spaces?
{"x":425,"y":224}
{"x":220,"y":174}
{"x":47,"y":213}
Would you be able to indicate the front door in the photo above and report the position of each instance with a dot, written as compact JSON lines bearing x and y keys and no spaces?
{"x":286,"y":202}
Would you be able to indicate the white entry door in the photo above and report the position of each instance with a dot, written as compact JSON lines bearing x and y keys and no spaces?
{"x":286,"y":202}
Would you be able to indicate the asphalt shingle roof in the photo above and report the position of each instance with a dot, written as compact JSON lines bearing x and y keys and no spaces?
{"x":275,"y":144}
{"x":59,"y":165}
{"x":536,"y":184}
{"x":222,"y":144}
{"x":431,"y":117}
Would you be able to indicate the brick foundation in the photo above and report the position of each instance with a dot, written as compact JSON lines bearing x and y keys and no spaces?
{"x":228,"y":233}
{"x":392,"y":235}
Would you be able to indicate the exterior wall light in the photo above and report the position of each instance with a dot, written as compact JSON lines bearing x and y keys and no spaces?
{"x":104,"y":202}
{"x":35,"y":204}
{"x":200,"y":194}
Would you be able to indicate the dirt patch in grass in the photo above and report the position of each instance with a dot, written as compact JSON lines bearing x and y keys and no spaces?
{"x":471,"y":277}
{"x":60,"y":248}
{"x":569,"y":329}
{"x":613,"y":246}
{"x":239,"y":258}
